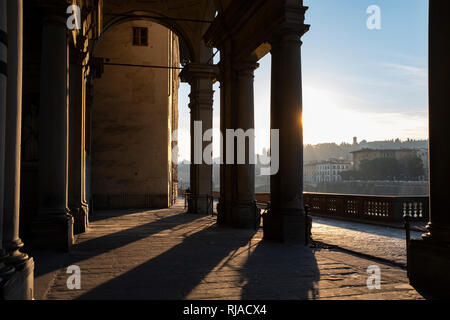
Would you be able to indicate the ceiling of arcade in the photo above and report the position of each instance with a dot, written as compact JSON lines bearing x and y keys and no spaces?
{"x":222,"y":5}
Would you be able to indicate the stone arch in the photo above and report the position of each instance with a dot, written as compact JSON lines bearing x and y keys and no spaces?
{"x":187,"y":51}
{"x":134,"y":111}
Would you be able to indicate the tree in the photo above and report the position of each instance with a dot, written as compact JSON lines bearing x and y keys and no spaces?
{"x":412,"y":168}
{"x":350,"y":175}
{"x":380,"y":169}
{"x":409,"y":168}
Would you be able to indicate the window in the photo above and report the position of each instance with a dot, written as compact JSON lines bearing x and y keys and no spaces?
{"x":140,"y":36}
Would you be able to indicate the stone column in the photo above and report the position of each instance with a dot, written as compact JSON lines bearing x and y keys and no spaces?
{"x":20,"y":286}
{"x":227,"y":111}
{"x":243,"y":206}
{"x":428,"y":259}
{"x":54,"y":226}
{"x":3,"y":80}
{"x":77,"y":155}
{"x":439,"y":113}
{"x":200,"y":77}
{"x":286,"y":220}
{"x":88,"y":139}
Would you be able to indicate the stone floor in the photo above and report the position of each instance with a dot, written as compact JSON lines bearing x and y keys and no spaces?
{"x":167,"y":254}
{"x":381,"y":242}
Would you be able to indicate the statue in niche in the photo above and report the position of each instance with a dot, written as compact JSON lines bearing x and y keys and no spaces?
{"x":30,"y":131}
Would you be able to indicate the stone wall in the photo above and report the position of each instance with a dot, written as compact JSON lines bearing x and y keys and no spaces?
{"x":133,"y":119}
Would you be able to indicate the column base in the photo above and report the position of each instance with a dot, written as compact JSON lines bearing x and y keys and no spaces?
{"x":19,"y":284}
{"x":80,"y":218}
{"x":244,"y":215}
{"x":53,"y":232}
{"x":287,"y":226}
{"x":223,"y":213}
{"x":6,"y":272}
{"x":428,"y":267}
{"x":199,"y":205}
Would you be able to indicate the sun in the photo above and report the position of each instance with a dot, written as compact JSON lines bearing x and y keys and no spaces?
{"x":322,"y":117}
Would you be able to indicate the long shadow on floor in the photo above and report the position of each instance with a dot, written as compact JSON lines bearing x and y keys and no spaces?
{"x":99,"y":215}
{"x":48,"y":261}
{"x":174,"y":273}
{"x":276,"y":271}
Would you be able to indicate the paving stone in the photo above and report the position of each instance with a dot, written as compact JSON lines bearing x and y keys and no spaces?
{"x":378,"y":241}
{"x":167,"y":254}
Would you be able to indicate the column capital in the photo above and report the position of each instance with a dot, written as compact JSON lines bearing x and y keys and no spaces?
{"x":198,"y":71}
{"x":291,"y":27}
{"x":245,"y":68}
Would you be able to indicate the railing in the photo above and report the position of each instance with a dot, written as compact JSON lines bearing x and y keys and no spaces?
{"x":208,"y":201}
{"x":360,"y":207}
{"x":367,"y":208}
{"x":410,"y":215}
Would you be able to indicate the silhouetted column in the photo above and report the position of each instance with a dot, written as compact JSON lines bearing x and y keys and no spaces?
{"x":243,"y":203}
{"x":200,"y":77}
{"x":439,"y":115}
{"x":3,"y":81}
{"x":428,"y":259}
{"x":77,"y":144}
{"x":54,"y":226}
{"x":88,"y":139}
{"x":286,"y":219}
{"x":22,"y":282}
{"x":227,"y":111}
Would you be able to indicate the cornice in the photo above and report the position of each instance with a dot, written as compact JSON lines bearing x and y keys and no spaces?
{"x":246,"y":26}
{"x":195,"y":71}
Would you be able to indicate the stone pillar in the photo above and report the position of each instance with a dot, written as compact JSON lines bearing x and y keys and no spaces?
{"x":20,"y":286}
{"x":88,"y":140}
{"x":200,"y":77}
{"x":3,"y":83}
{"x":227,"y":111}
{"x":243,"y":206}
{"x":286,"y":220}
{"x":429,"y":258}
{"x":4,"y":271}
{"x":53,"y":228}
{"x":77,"y":144}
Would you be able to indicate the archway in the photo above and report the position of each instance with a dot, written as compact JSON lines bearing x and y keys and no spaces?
{"x":135,"y":111}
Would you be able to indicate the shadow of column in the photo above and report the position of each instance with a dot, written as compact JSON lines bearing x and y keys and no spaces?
{"x":276,"y":271}
{"x":176,"y":272}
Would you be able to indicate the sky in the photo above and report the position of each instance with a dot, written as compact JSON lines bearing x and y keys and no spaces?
{"x":370,"y":84}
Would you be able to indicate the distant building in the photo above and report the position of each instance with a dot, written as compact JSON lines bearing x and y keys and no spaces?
{"x":423,"y":154}
{"x":325,"y":171}
{"x":371,"y":154}
{"x":309,"y":172}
